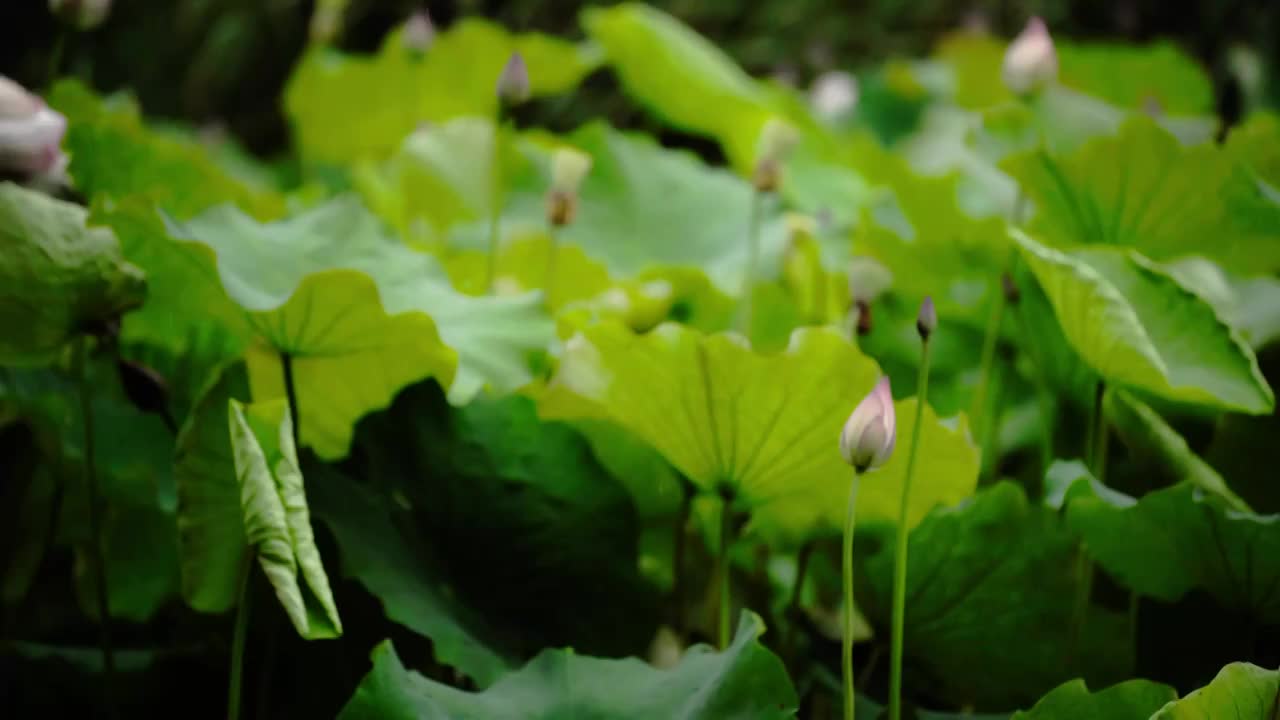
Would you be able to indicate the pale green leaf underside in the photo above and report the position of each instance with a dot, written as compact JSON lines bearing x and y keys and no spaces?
{"x":1241,"y":691}
{"x":1125,"y":701}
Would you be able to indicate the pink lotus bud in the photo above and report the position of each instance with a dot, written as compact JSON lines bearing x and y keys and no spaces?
{"x":83,"y":14}
{"x":927,"y":320}
{"x":419,"y":32}
{"x":1030,"y":62}
{"x":513,"y":83}
{"x":866,"y":442}
{"x":30,"y":133}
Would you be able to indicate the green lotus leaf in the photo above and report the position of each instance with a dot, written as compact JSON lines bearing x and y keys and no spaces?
{"x":1256,"y":143}
{"x":58,"y":278}
{"x":682,"y":76}
{"x":761,"y":426}
{"x":345,"y":107}
{"x":277,"y":523}
{"x":1126,"y":700}
{"x":1249,"y":304}
{"x":1241,"y":690}
{"x":743,"y":680}
{"x":990,"y":610}
{"x":1137,"y":326}
{"x":1141,"y":189}
{"x":1174,"y":540}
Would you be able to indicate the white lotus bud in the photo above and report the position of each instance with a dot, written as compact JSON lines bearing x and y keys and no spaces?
{"x":30,"y":133}
{"x":419,"y":32}
{"x":777,"y":139}
{"x":834,"y":94}
{"x":83,"y":14}
{"x":1031,"y":61}
{"x":568,"y":168}
{"x":513,"y":82}
{"x":867,"y":440}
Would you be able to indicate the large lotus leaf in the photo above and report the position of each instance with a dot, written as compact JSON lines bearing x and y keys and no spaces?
{"x":1134,"y":324}
{"x":277,"y":523}
{"x":1141,"y":189}
{"x":114,"y":154}
{"x":763,"y":426}
{"x":345,"y":107}
{"x":744,"y":680}
{"x":58,"y":278}
{"x":1256,"y":143}
{"x":506,"y":501}
{"x":682,"y":76}
{"x":990,"y":611}
{"x":1126,"y":701}
{"x":391,"y":559}
{"x":1242,"y":691}
{"x":1249,"y":304}
{"x":1177,"y":539}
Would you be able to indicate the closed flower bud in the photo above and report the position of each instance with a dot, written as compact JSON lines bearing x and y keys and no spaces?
{"x":82,"y":14}
{"x":927,"y":320}
{"x":513,"y":82}
{"x":1031,"y":61}
{"x":834,"y":95}
{"x":568,"y":168}
{"x":777,"y":139}
{"x":30,"y":134}
{"x":867,"y":440}
{"x":418,"y":33}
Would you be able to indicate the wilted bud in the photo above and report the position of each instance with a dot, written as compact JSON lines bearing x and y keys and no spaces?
{"x":834,"y":94}
{"x":927,"y":320}
{"x":30,"y":134}
{"x":864,"y":323}
{"x":82,"y":14}
{"x":513,"y":82}
{"x":1010,"y":289}
{"x":1030,"y":62}
{"x":777,"y":139}
{"x":568,"y":168}
{"x":867,"y":440}
{"x":418,"y":33}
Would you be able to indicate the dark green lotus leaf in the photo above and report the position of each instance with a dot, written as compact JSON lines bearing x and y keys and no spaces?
{"x":743,"y":681}
{"x":1125,"y":701}
{"x":1242,"y":691}
{"x":58,"y":278}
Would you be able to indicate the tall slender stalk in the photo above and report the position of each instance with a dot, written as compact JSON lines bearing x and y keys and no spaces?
{"x":291,"y":394}
{"x":239,"y":636}
{"x":55,"y":55}
{"x":846,"y":567}
{"x":1098,"y":434}
{"x":496,"y":193}
{"x":1044,"y":397}
{"x":990,"y":339}
{"x":900,"y":552}
{"x":549,"y":277}
{"x":679,"y":543}
{"x":95,"y":526}
{"x":753,"y":261}
{"x":726,"y":532}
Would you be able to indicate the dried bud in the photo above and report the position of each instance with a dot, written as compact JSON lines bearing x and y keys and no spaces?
{"x":867,"y":440}
{"x":1031,"y":61}
{"x":81,"y":14}
{"x":562,"y":208}
{"x":834,"y":95}
{"x":864,"y":324}
{"x":418,"y":33}
{"x":30,"y":134}
{"x":1011,"y":292}
{"x":513,"y":82}
{"x":927,"y":320}
{"x":777,"y":139}
{"x":568,"y":168}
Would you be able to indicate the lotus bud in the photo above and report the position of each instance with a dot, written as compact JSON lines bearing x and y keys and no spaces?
{"x":30,"y":134}
{"x":927,"y":320}
{"x":867,"y":440}
{"x":513,"y":81}
{"x":326,"y":20}
{"x":81,"y":14}
{"x":777,"y":139}
{"x":418,"y":33}
{"x":1031,"y":61}
{"x":568,"y":168}
{"x":834,"y":95}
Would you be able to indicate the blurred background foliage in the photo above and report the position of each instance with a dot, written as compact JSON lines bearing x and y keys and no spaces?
{"x":222,"y":64}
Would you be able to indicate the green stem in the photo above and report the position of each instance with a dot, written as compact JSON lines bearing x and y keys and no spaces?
{"x":900,"y":554}
{"x":753,"y":260}
{"x":726,"y":532}
{"x":1098,"y":434}
{"x":496,"y":188}
{"x":677,"y":559}
{"x":990,"y":339}
{"x":1044,"y":396}
{"x":846,"y":636}
{"x":95,"y":528}
{"x":55,"y":55}
{"x":291,"y":393}
{"x":1084,"y":592}
{"x":549,"y":278}
{"x":240,"y":635}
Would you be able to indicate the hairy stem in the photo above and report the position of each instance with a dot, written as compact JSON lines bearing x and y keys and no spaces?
{"x":846,"y":566}
{"x":549,"y":277}
{"x":753,"y":260}
{"x":900,"y":553}
{"x":990,"y":339}
{"x":1098,"y":434}
{"x":239,"y":637}
{"x":677,"y":558}
{"x":726,"y":532}
{"x":497,"y":189}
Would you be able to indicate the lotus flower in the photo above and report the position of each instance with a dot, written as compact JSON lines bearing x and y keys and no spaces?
{"x":1031,"y":61}
{"x":30,"y":134}
{"x":866,"y":442}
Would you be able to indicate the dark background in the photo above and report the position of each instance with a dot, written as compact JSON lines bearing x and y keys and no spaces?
{"x":227,"y":60}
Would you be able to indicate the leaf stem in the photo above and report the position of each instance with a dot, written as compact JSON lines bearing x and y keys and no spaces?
{"x":846,"y":566}
{"x":496,"y":193}
{"x":679,"y":542}
{"x":56,"y":54}
{"x":753,"y":260}
{"x":900,"y":553}
{"x":291,"y":393}
{"x":239,"y":636}
{"x":1098,"y":433}
{"x":549,"y":278}
{"x":95,"y":527}
{"x":726,"y":533}
{"x":990,"y":339}
{"x":1044,"y":396}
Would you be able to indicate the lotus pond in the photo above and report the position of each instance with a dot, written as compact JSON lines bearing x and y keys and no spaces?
{"x":939,"y":390}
